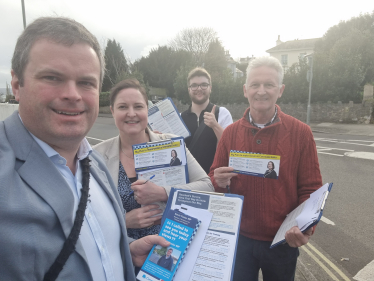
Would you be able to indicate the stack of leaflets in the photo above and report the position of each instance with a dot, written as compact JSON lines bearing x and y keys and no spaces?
{"x":162,"y":263}
{"x":306,"y":215}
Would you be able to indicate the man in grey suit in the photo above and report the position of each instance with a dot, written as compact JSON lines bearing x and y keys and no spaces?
{"x":53,"y":187}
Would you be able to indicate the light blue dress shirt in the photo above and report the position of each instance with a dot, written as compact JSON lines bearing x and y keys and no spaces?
{"x":100,"y":234}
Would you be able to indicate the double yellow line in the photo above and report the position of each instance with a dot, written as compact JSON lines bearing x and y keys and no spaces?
{"x":308,"y":248}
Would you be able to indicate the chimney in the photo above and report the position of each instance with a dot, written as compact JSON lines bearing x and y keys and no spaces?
{"x":278,"y":41}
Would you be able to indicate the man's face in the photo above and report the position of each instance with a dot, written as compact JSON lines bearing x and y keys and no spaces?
{"x":262,"y":90}
{"x":59,"y":100}
{"x":199,"y":96}
{"x":168,"y":253}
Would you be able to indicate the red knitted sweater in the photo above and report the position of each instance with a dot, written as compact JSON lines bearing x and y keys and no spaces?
{"x":268,"y":201}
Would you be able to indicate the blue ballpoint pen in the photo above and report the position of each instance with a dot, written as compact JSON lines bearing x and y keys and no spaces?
{"x":132,"y":192}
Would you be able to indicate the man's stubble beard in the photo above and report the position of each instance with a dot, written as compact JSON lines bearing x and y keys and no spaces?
{"x":201,"y":101}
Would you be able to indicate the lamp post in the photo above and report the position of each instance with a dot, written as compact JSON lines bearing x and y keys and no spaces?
{"x":23,"y":14}
{"x":309,"y":77}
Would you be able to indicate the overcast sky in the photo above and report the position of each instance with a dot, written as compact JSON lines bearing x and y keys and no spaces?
{"x":244,"y":29}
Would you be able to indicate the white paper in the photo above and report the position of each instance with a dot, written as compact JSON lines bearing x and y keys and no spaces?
{"x":164,"y":117}
{"x":217,"y":252}
{"x":170,"y":176}
{"x":312,"y":207}
{"x":304,"y":215}
{"x":185,"y":270}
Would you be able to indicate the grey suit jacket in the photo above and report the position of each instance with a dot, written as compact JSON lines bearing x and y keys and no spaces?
{"x":36,"y":207}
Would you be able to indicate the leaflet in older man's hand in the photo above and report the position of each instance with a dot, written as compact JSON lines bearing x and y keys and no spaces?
{"x":179,"y":229}
{"x":255,"y":164}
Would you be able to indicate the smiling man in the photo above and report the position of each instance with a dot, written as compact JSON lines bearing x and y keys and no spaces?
{"x":265,"y":129}
{"x":50,"y":230}
{"x":166,"y":261}
{"x":203,"y":119}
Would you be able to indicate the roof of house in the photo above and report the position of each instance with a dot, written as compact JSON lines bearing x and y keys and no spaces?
{"x":295,"y":45}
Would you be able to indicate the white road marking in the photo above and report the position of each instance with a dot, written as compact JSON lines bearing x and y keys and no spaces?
{"x":361,"y":155}
{"x":94,"y":138}
{"x":330,"y":154}
{"x":325,"y":124}
{"x":332,"y":148}
{"x":353,"y":142}
{"x":366,"y":274}
{"x":356,"y":143}
{"x":320,"y":150}
{"x":327,"y":221}
{"x":362,"y":141}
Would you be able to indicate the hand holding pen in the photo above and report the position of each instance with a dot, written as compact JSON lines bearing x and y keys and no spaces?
{"x":147,"y":192}
{"x":132,"y":192}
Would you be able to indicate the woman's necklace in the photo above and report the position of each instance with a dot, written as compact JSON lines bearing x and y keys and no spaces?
{"x":126,"y":154}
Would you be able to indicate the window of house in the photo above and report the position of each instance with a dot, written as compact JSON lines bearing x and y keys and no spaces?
{"x":302,"y":55}
{"x":284,"y":60}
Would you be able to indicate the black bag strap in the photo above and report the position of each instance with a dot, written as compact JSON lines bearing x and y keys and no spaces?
{"x":200,"y":130}
{"x":69,"y":245}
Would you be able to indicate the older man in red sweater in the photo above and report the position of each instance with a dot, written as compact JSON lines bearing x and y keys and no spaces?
{"x":265,"y":129}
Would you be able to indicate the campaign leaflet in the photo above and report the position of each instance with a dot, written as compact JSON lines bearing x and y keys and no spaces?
{"x":255,"y":164}
{"x":164,"y":117}
{"x":162,"y":263}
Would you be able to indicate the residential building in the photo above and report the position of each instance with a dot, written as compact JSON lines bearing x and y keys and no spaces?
{"x":231,"y":64}
{"x":289,"y":52}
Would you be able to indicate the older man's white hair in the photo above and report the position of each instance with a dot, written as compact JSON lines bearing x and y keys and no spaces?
{"x":269,"y":62}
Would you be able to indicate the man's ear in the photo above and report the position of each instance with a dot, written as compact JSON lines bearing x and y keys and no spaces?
{"x":15,"y":85}
{"x":245,"y":90}
{"x":281,"y":90}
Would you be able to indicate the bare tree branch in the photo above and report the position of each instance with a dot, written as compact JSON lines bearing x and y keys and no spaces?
{"x":194,"y":40}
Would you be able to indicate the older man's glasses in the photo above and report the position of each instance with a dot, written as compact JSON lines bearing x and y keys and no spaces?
{"x":203,"y":86}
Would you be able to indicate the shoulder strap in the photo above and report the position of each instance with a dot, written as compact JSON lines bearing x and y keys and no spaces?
{"x":200,"y":129}
{"x":69,"y":245}
{"x":196,"y":136}
{"x":216,"y":112}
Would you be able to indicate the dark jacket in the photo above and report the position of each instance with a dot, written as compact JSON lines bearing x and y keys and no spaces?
{"x":270,"y":174}
{"x":165,"y":263}
{"x":175,"y":162}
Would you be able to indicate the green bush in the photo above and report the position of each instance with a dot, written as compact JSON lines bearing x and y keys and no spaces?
{"x":104,"y":99}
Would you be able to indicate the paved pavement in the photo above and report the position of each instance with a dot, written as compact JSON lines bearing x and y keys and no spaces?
{"x":349,"y":129}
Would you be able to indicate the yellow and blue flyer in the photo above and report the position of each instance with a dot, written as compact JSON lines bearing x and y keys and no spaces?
{"x":255,"y":164}
{"x":165,"y":160}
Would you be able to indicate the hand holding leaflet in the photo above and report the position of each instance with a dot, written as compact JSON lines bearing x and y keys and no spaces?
{"x":179,"y":229}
